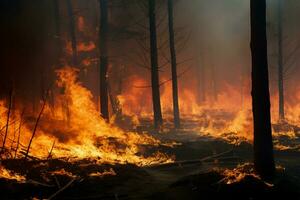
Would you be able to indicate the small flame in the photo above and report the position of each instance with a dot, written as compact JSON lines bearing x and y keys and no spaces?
{"x":7,"y":174}
{"x":109,"y":172}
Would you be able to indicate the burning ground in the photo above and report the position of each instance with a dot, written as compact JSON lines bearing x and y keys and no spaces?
{"x":79,"y":155}
{"x":65,"y":62}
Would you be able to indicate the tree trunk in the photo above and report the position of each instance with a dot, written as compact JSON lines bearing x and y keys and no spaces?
{"x":214,"y":83}
{"x":263,"y":146}
{"x":72,"y":31}
{"x":199,"y":51}
{"x":57,"y":31}
{"x":114,"y":102}
{"x":201,"y":79}
{"x":280,"y":64}
{"x":174,"y":65}
{"x":154,"y":67}
{"x":103,"y":50}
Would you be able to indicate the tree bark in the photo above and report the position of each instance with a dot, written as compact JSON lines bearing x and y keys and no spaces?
{"x":174,"y":64}
{"x":103,"y":50}
{"x":154,"y":66}
{"x":263,"y":145}
{"x":72,"y":31}
{"x":280,"y":64}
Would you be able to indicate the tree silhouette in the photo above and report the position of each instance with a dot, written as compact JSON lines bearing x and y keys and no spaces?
{"x":280,"y":63}
{"x":103,"y":35}
{"x":173,"y":64}
{"x":154,"y":66}
{"x":263,"y":145}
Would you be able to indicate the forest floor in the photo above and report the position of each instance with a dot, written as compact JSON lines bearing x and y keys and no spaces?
{"x":198,"y":173}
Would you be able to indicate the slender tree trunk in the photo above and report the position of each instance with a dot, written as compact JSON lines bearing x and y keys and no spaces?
{"x":113,"y":101}
{"x":57,"y":30}
{"x":263,"y":145}
{"x":154,"y":66}
{"x":200,"y":58}
{"x":201,"y":80}
{"x":103,"y":49}
{"x":214,"y":83}
{"x":174,"y":64}
{"x":58,"y":49}
{"x":72,"y":30}
{"x":280,"y":64}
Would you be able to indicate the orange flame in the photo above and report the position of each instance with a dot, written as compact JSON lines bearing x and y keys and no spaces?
{"x":7,"y":174}
{"x":85,"y":134}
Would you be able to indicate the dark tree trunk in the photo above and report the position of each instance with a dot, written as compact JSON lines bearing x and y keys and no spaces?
{"x":103,"y":50}
{"x":201,"y":80}
{"x":174,"y":65}
{"x":72,"y":31}
{"x":280,"y":64}
{"x":154,"y":66}
{"x":57,"y":31}
{"x":263,"y":145}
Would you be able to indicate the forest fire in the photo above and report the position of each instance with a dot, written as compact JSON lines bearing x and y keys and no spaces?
{"x":149,"y":99}
{"x":7,"y":174}
{"x":83,"y":134}
{"x":220,"y":119}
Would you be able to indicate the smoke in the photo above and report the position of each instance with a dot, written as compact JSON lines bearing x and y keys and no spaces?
{"x":26,"y":49}
{"x":214,"y":34}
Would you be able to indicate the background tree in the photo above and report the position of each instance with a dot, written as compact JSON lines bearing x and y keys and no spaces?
{"x":103,"y":50}
{"x":72,"y":31}
{"x":199,"y":51}
{"x":141,"y":56}
{"x":154,"y":66}
{"x":284,"y":56}
{"x":57,"y":36}
{"x":263,"y":145}
{"x":214,"y":86}
{"x":201,"y":92}
{"x":173,"y":64}
{"x":280,"y":63}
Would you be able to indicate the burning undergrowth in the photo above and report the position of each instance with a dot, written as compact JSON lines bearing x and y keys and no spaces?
{"x":236,"y":128}
{"x":46,"y":179}
{"x":7,"y":174}
{"x":228,"y":117}
{"x":72,"y":128}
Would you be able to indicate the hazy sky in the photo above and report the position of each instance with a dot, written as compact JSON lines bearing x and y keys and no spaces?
{"x":220,"y":28}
